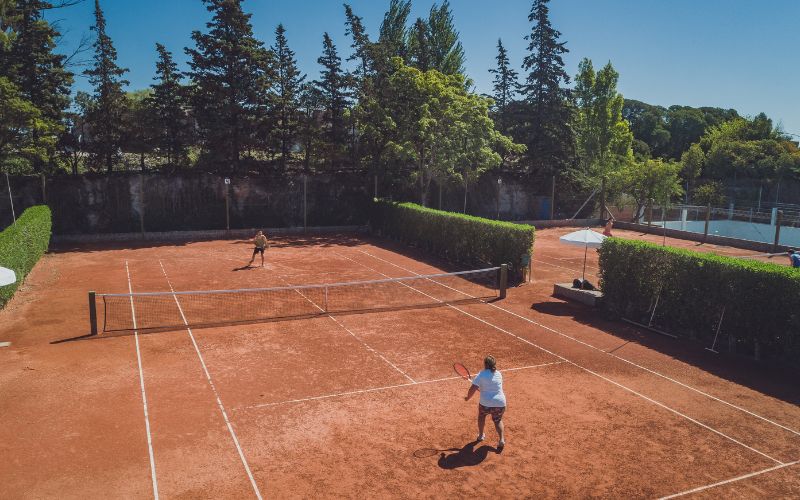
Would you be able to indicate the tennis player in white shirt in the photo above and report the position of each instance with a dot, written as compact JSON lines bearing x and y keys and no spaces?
{"x":492,"y":401}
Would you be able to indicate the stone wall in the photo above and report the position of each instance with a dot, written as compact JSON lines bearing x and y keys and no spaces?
{"x":154,"y":202}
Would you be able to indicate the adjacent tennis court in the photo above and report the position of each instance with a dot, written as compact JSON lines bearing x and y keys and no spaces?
{"x":330,"y":373}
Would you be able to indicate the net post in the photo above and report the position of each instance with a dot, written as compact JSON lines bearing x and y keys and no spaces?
{"x":92,"y":313}
{"x":503,"y":280}
{"x":325,"y":305}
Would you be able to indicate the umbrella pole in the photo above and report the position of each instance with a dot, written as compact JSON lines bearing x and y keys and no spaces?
{"x":585,"y":251}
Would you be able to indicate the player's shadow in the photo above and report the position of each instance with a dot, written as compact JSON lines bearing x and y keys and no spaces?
{"x":244,"y":268}
{"x":467,"y":456}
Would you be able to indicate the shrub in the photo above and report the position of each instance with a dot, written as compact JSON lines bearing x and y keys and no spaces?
{"x":761,"y":300}
{"x":23,"y":244}
{"x":456,"y":237}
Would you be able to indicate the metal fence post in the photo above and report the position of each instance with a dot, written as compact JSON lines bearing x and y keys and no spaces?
{"x":778,"y":222}
{"x":708,"y":219}
{"x":141,"y":203}
{"x":553,"y":200}
{"x":305,"y":202}
{"x":227,"y":204}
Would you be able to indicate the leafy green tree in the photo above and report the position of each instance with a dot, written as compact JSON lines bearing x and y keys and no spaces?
{"x":435,"y":42}
{"x":18,"y":119}
{"x":710,"y":193}
{"x":393,"y":34}
{"x":288,"y":84}
{"x":138,"y":127}
{"x":651,"y":180}
{"x":693,"y":161}
{"x":419,"y":45}
{"x":105,"y":116}
{"x":603,"y":137}
{"x":167,"y":102}
{"x":333,"y":90}
{"x":433,"y":123}
{"x":231,"y":74}
{"x":549,"y":138}
{"x":506,"y":86}
{"x":362,"y":47}
{"x":39,"y":73}
{"x":311,"y":123}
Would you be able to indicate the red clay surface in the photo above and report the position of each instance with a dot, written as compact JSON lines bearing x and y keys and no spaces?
{"x":367,"y":404}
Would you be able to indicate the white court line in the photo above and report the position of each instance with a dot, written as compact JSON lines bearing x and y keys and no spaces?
{"x":213,"y":388}
{"x":141,"y":385}
{"x":373,"y":351}
{"x":665,"y":377}
{"x":384,"y":388}
{"x":728,"y":481}
{"x":632,"y":391}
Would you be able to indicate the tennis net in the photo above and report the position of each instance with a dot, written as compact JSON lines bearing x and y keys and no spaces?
{"x":169,"y":310}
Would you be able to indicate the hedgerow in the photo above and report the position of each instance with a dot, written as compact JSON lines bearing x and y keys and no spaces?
{"x":761,"y":301}
{"x":456,"y":237}
{"x":23,"y":244}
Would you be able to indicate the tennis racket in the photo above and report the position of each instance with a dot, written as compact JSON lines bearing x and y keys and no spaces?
{"x":462,"y":371}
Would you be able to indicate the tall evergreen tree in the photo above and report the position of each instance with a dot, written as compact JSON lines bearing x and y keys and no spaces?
{"x":105,"y":116}
{"x":168,"y":106}
{"x":446,"y":52}
{"x":550,"y":139}
{"x":392,"y":39}
{"x":419,"y":45}
{"x":231,"y":73}
{"x":354,"y":27}
{"x":288,"y":84}
{"x":506,"y":86}
{"x":333,"y":89}
{"x":39,"y":73}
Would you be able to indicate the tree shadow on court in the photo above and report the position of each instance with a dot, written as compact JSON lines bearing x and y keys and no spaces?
{"x":766,"y":378}
{"x":467,"y":456}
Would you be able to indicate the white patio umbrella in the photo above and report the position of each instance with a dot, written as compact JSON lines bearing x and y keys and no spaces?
{"x":7,"y":276}
{"x":584,"y":238}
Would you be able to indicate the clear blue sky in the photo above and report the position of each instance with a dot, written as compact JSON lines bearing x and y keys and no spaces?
{"x":740,"y":54}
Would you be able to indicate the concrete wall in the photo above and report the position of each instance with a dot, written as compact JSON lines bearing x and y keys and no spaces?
{"x":192,"y":201}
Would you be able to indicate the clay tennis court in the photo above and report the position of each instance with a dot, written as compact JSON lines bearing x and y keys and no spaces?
{"x":366,"y":403}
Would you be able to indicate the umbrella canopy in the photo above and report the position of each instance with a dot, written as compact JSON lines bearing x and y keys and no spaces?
{"x":7,"y":276}
{"x":583,"y":238}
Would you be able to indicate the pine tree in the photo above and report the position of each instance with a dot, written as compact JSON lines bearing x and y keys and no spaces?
{"x":105,"y":117}
{"x":39,"y":73}
{"x":550,"y":139}
{"x":168,"y":108}
{"x":419,"y":45}
{"x":231,"y":73}
{"x":354,"y":27}
{"x":333,"y":89}
{"x":288,"y":84}
{"x":505,"y":87}
{"x":392,"y":39}
{"x":446,"y":52}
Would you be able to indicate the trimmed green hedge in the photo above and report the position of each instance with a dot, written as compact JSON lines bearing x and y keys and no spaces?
{"x":23,"y":244}
{"x":456,"y":237}
{"x":761,"y":300}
